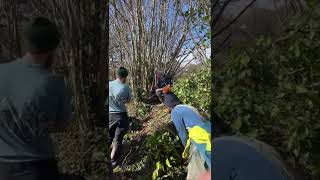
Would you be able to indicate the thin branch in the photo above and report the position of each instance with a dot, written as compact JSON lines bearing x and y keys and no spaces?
{"x":234,"y":20}
{"x":216,"y":19}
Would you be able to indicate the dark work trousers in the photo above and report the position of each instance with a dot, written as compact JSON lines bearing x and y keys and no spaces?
{"x":31,"y":170}
{"x":118,"y":126}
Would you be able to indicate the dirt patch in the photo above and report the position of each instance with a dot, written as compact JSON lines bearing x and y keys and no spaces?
{"x":157,"y":119}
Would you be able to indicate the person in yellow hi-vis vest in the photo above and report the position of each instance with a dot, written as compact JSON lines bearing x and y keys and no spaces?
{"x":194,"y":132}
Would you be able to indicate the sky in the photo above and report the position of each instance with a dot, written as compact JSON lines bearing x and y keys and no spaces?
{"x":171,"y":15}
{"x":201,"y":33}
{"x":191,"y":56}
{"x":190,"y":44}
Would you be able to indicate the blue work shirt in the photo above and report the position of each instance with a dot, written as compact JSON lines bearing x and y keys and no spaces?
{"x":119,"y":95}
{"x":183,"y":118}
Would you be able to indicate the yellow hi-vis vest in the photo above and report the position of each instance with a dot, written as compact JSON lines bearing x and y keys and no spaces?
{"x":199,"y":136}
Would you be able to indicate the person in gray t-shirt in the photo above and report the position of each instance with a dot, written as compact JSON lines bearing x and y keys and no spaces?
{"x":33,"y":103}
{"x":119,"y":96}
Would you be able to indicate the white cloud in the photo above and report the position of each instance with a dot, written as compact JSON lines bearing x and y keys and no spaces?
{"x":191,"y":57}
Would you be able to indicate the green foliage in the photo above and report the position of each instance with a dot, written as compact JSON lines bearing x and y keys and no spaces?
{"x":195,"y":89}
{"x":163,"y":154}
{"x":141,"y":109}
{"x":271,"y":92}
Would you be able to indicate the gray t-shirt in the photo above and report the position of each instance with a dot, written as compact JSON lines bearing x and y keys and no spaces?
{"x":32,"y":102}
{"x":119,"y":95}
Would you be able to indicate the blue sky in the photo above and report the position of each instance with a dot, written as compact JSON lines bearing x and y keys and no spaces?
{"x":185,"y":8}
{"x":171,"y":12}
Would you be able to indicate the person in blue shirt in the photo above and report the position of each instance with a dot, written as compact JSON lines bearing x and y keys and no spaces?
{"x":234,"y":158}
{"x":185,"y":118}
{"x":119,"y":96}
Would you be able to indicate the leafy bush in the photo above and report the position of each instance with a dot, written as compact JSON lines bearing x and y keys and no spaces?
{"x":141,"y":109}
{"x":271,"y":92}
{"x":164,"y":155}
{"x":195,"y":89}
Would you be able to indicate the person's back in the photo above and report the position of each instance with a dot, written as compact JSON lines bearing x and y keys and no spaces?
{"x":119,"y":95}
{"x":29,"y":98}
{"x":190,"y":115}
{"x":185,"y":117}
{"x":33,"y":103}
{"x":194,"y":132}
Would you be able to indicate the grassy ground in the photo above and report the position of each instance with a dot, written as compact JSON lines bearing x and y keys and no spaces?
{"x":144,"y":124}
{"x":83,"y":154}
